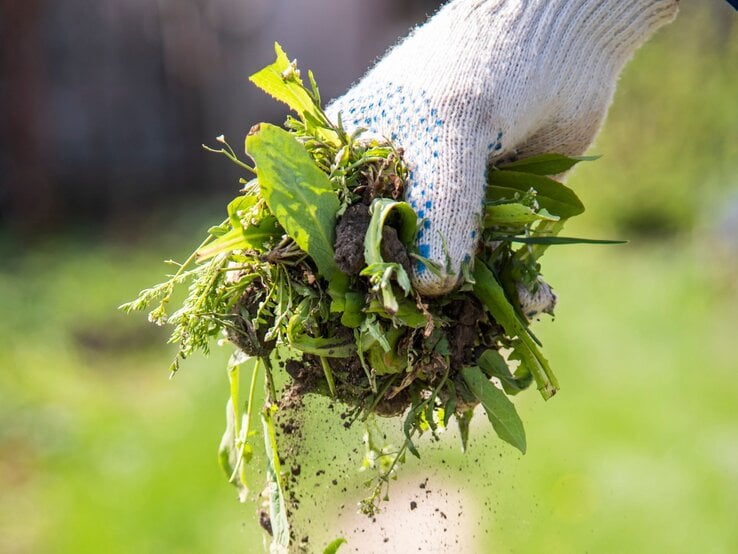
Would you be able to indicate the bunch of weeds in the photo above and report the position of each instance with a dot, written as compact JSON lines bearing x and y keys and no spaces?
{"x":310,"y":274}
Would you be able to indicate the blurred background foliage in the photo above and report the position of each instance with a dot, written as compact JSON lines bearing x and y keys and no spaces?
{"x":103,"y":107}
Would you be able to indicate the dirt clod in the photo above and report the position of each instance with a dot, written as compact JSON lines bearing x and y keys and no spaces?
{"x":265,"y":521}
{"x":350,"y":234}
{"x":393,"y":250}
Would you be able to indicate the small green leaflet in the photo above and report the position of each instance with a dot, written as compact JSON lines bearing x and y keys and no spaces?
{"x":281,"y":81}
{"x":334,"y":546}
{"x":554,"y":197}
{"x":546,"y":164}
{"x":500,"y":411}
{"x":297,"y":192}
{"x":492,"y":295}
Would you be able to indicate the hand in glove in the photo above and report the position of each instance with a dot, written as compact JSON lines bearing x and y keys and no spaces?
{"x":486,"y":80}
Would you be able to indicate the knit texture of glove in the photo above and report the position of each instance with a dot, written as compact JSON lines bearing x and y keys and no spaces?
{"x":489,"y":80}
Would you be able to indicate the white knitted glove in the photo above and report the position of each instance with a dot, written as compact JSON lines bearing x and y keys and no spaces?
{"x":486,"y":80}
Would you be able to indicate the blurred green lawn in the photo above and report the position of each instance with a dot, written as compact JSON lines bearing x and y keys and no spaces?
{"x":101,"y":452}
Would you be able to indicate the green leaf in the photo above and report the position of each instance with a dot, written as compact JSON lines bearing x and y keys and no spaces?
{"x":334,"y":546}
{"x":464,"y":420}
{"x":506,"y":215}
{"x":258,"y":237}
{"x":450,"y":408}
{"x":379,"y":271}
{"x":500,"y":411}
{"x":275,"y":488}
{"x":318,"y":346}
{"x":353,"y":315}
{"x":337,"y":290}
{"x":381,"y":210}
{"x":492,"y":295}
{"x":388,"y":361}
{"x":411,"y":421}
{"x":297,"y":192}
{"x":237,"y":207}
{"x":494,"y":365}
{"x":227,"y":453}
{"x":552,"y":241}
{"x":407,"y":313}
{"x":281,"y":81}
{"x":546,"y":164}
{"x":558,"y":199}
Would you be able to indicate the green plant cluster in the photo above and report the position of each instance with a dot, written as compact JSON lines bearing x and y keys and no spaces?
{"x":267,"y":278}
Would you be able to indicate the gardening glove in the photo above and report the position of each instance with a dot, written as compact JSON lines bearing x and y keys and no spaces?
{"x":488,"y":80}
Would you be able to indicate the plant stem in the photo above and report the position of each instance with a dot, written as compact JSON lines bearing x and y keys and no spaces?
{"x":328,"y":376}
{"x":536,"y":252}
{"x":271,"y":389}
{"x":244,"y":435}
{"x":252,"y":395}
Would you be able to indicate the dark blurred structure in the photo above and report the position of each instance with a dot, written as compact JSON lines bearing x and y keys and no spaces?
{"x":104,"y":105}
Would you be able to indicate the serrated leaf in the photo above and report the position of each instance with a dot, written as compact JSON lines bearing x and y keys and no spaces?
{"x":280,"y":81}
{"x":553,"y":196}
{"x":297,"y":192}
{"x":546,"y":164}
{"x":492,"y":295}
{"x":500,"y":411}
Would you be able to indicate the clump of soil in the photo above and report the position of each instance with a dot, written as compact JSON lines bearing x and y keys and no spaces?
{"x":350,"y":233}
